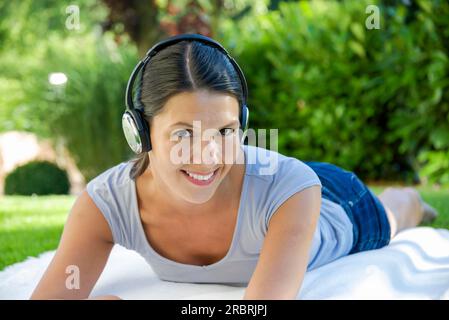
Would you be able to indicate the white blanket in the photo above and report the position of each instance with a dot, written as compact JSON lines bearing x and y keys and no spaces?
{"x":414,"y":266}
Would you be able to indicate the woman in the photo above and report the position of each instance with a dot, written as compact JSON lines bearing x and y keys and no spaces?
{"x":224,"y":220}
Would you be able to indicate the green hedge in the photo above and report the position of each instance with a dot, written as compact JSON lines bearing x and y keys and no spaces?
{"x":372,"y":101}
{"x":37,"y":177}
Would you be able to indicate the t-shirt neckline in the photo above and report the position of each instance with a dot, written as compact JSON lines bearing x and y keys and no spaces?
{"x":154,"y":253}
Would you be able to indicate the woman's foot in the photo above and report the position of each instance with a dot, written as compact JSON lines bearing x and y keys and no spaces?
{"x":429,"y":213}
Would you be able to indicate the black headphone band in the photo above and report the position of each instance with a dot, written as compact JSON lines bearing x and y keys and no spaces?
{"x":168,"y":42}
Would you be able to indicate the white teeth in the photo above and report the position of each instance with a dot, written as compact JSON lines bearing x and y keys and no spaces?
{"x":200,"y":177}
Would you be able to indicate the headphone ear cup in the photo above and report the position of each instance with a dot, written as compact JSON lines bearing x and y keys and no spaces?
{"x":136,"y":131}
{"x":146,"y":145}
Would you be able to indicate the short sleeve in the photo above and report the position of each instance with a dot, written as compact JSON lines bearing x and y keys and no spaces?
{"x":99,"y":193}
{"x":292,"y":176}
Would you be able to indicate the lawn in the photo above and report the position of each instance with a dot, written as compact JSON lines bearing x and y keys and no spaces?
{"x":32,"y":225}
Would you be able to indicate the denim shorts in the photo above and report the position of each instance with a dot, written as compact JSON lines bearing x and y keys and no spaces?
{"x":371,"y":227}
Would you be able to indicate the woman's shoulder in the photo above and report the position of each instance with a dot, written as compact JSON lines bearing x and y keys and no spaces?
{"x":275,"y":178}
{"x":113,"y":176}
{"x":274,"y":166}
{"x":112,"y":192}
{"x":112,"y":185}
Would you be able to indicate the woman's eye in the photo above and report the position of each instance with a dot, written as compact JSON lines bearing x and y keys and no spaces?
{"x":227,"y":131}
{"x":183,"y":134}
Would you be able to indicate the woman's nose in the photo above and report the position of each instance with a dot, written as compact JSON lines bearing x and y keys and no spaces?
{"x":208,"y":153}
{"x":212,"y":152}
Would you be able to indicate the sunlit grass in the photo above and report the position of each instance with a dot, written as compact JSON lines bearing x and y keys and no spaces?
{"x":32,"y":225}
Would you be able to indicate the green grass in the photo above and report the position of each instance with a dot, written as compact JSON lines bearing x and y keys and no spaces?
{"x":32,"y":225}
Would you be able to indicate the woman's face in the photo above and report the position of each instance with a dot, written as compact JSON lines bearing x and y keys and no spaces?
{"x":195,"y":140}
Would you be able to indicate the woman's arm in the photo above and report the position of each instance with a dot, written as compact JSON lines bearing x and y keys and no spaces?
{"x":285,"y":253}
{"x":83,"y":251}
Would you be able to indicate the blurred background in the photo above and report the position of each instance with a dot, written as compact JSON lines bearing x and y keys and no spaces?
{"x":362,"y":84}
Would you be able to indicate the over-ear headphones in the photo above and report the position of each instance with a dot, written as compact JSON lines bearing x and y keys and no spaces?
{"x":135,"y":127}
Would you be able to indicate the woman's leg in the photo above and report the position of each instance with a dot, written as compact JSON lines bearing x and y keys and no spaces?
{"x":403,"y":206}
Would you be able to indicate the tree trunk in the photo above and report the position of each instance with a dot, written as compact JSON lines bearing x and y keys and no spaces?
{"x":139,"y":19}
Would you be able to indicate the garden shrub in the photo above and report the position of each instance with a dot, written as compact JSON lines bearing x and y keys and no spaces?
{"x":372,"y":101}
{"x":37,"y":177}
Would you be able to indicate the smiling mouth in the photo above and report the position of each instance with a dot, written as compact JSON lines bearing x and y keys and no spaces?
{"x":200,"y":179}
